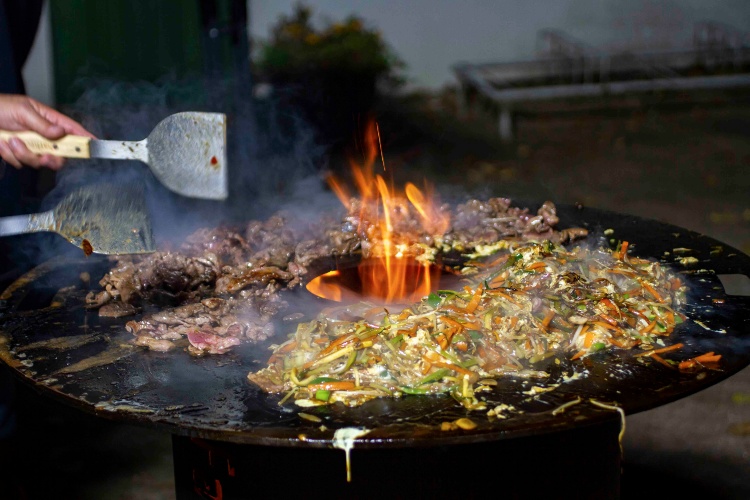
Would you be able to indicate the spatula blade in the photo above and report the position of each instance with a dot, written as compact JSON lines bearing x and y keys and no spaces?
{"x":187,"y":153}
{"x":106,"y":219}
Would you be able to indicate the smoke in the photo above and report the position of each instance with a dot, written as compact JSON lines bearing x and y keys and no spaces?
{"x":273,"y":159}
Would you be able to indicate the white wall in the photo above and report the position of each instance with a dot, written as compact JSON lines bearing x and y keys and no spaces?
{"x":38,"y":71}
{"x":432,"y":35}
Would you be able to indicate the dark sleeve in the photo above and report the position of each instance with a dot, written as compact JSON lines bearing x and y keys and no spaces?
{"x":19,"y":20}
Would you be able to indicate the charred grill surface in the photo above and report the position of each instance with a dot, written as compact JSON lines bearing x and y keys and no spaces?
{"x":54,"y":341}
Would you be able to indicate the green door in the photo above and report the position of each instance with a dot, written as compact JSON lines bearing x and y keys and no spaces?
{"x":144,"y":40}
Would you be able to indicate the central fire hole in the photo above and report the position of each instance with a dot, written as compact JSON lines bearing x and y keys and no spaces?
{"x":373,"y":279}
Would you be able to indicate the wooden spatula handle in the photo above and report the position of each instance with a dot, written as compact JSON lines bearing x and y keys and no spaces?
{"x":70,"y":146}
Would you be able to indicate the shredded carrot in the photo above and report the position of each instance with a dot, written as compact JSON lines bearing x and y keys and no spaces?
{"x":500,"y":260}
{"x":431,"y":356}
{"x":706,"y":358}
{"x":455,"y":368}
{"x":442,"y":341}
{"x":661,"y":360}
{"x":373,"y":360}
{"x":548,"y":318}
{"x":609,"y":304}
{"x":623,"y":250}
{"x":451,"y":322}
{"x":426,"y":367}
{"x":404,"y":315}
{"x":589,"y":339}
{"x":498,"y":280}
{"x":709,"y":357}
{"x":606,"y":326}
{"x":670,"y":318}
{"x":449,"y":333}
{"x":609,"y":319}
{"x":635,"y":291}
{"x":475,"y":299}
{"x":454,"y":308}
{"x":344,"y":385}
{"x":578,"y":354}
{"x":536,"y":265}
{"x":647,"y":329}
{"x":662,"y":350}
{"x":652,"y":291}
{"x":409,"y":332}
{"x":584,"y":330}
{"x":341,"y":341}
{"x":502,"y":294}
{"x":287,"y":347}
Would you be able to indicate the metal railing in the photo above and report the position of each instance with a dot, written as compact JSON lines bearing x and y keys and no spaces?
{"x":568,"y":68}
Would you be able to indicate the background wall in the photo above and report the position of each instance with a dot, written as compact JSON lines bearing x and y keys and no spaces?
{"x":431,"y":35}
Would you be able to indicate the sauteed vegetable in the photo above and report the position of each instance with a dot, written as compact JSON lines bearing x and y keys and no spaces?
{"x":522,"y":305}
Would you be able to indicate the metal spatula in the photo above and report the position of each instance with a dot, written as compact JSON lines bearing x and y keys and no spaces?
{"x":186,"y":151}
{"x":102,"y":218}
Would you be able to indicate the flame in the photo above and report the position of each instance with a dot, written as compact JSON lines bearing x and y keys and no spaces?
{"x":396,"y":279}
{"x":325,"y":286}
{"x":432,"y":219}
{"x":385,"y":217}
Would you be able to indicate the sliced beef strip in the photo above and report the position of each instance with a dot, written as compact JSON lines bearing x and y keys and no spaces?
{"x":226,"y":243}
{"x":243,"y":277}
{"x":117,"y":310}
{"x":206,"y":342}
{"x":241,"y":319}
{"x":154,"y":344}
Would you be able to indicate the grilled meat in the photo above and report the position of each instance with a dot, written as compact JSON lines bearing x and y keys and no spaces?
{"x":223,"y":284}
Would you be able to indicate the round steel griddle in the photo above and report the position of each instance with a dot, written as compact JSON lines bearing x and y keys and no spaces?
{"x":69,"y":353}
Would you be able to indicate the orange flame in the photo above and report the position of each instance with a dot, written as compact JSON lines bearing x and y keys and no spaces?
{"x":386,"y":221}
{"x":325,"y":286}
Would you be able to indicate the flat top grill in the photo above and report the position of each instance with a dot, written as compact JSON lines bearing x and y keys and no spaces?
{"x":73,"y":355}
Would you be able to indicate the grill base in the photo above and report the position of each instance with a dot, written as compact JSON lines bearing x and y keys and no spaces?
{"x":579,"y":463}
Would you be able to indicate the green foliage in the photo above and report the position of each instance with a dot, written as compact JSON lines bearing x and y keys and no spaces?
{"x":297,"y":48}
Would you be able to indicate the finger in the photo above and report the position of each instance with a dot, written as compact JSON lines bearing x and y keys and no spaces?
{"x":30,"y":117}
{"x":67,"y":124}
{"x":51,"y":162}
{"x":22,"y":153}
{"x":8,"y":156}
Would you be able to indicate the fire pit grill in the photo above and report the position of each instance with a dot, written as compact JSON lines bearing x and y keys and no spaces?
{"x":71,"y":354}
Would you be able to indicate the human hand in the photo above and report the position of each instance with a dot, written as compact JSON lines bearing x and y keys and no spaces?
{"x":19,"y":113}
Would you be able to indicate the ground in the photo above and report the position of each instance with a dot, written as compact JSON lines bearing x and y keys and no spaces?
{"x":684,"y":164}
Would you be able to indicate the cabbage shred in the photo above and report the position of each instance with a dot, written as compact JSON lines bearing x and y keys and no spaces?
{"x":518,"y":308}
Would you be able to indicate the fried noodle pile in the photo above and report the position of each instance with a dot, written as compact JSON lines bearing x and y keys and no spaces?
{"x":522,"y":305}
